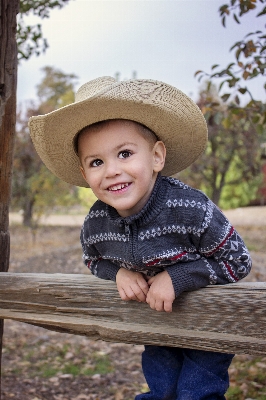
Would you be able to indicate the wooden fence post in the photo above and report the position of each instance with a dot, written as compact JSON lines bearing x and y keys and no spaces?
{"x":8,"y":87}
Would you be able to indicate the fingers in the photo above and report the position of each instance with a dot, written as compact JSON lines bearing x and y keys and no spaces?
{"x":161,"y":292}
{"x":143,"y":285}
{"x":135,"y":292}
{"x":151,"y":280}
{"x":131,"y":286}
{"x":127,"y":294}
{"x":159,"y":304}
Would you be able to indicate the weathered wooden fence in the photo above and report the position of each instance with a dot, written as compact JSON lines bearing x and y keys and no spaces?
{"x":230,"y":318}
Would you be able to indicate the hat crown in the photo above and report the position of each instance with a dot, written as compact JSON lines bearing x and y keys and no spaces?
{"x":94,"y":87}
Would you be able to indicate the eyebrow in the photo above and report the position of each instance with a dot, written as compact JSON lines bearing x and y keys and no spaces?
{"x":94,"y":156}
{"x":125,"y":144}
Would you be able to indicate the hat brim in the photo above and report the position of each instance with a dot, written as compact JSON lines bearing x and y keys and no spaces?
{"x":173,"y":116}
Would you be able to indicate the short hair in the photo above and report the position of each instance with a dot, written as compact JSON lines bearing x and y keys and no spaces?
{"x":146,"y":132}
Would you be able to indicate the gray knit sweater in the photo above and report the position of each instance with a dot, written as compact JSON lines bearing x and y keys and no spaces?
{"x":179,"y":230}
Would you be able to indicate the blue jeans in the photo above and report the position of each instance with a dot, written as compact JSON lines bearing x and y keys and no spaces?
{"x":184,"y":374}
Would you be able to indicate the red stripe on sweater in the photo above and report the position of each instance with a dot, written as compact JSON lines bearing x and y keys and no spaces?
{"x":229,"y":269}
{"x":90,"y":262}
{"x":222,"y":243}
{"x":157,"y":260}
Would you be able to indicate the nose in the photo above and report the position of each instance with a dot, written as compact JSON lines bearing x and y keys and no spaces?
{"x":112,"y":168}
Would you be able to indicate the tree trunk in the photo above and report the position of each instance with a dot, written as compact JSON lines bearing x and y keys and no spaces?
{"x":216,"y":194}
{"x":28,"y":212}
{"x":8,"y":86}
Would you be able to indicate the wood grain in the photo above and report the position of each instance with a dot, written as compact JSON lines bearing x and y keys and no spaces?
{"x":228,"y":318}
{"x":8,"y":85}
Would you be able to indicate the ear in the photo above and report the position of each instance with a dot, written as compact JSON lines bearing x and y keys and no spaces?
{"x":159,"y":154}
{"x":82,"y":172}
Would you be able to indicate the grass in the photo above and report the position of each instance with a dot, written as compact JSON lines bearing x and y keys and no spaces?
{"x":100,"y":364}
{"x":248,"y":378}
{"x":53,"y":359}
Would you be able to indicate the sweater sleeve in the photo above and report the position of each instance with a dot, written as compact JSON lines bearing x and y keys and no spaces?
{"x":222,"y":256}
{"x":104,"y":269}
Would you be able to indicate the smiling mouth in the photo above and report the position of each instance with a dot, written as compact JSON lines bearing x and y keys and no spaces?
{"x":118,"y":187}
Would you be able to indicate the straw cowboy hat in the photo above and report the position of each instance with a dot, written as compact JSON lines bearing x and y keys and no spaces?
{"x":168,"y":112}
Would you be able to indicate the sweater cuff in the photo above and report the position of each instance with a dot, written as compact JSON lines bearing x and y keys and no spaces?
{"x":181,"y":279}
{"x":108,"y":270}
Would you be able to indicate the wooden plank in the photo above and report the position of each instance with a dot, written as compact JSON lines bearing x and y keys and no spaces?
{"x":228,"y":318}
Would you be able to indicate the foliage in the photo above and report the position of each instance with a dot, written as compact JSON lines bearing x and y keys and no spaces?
{"x":250,"y":52}
{"x":56,"y":89}
{"x":229,"y":170}
{"x":232,"y":179}
{"x":35,"y":189}
{"x":30,"y":37}
{"x":86,"y":197}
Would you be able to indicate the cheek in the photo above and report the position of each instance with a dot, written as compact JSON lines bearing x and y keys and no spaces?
{"x":142,"y":165}
{"x":88,"y":177}
{"x":144,"y":169}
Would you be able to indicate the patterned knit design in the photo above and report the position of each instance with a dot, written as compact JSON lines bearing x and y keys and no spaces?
{"x":179,"y":230}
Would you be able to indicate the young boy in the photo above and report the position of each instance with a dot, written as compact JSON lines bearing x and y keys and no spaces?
{"x":151,"y":234}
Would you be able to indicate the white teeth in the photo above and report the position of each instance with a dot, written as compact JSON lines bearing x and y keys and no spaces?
{"x":118,"y":187}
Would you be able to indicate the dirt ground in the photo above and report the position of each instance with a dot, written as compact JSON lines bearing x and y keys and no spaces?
{"x":41,"y":365}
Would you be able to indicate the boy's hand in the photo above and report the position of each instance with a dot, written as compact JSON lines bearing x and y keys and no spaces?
{"x":131,"y":285}
{"x":161,"y":293}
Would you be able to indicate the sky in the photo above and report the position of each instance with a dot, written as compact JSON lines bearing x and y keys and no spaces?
{"x":166,"y":40}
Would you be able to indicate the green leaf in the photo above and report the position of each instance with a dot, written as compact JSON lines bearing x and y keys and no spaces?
{"x":221,"y":85}
{"x":238,"y":52}
{"x":226,"y":123}
{"x":200,"y":78}
{"x":237,"y":100}
{"x":237,"y":44}
{"x":236,"y":19}
{"x":209,"y":86}
{"x":215,"y":66}
{"x":262,"y":12}
{"x":198,"y":72}
{"x":249,"y":34}
{"x":255,"y":72}
{"x":230,"y":66}
{"x":223,"y":21}
{"x":225,"y":97}
{"x":255,"y":119}
{"x":242,"y":90}
{"x":224,"y":9}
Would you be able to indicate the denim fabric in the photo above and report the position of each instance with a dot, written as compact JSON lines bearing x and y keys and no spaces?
{"x":184,"y":374}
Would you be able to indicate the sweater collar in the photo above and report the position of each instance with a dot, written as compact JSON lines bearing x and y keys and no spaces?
{"x":153,"y":206}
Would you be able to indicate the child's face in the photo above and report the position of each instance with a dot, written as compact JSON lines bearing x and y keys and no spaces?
{"x":120,"y":165}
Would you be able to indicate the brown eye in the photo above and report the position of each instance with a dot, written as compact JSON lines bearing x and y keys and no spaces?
{"x":124,"y":154}
{"x":96,"y":163}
